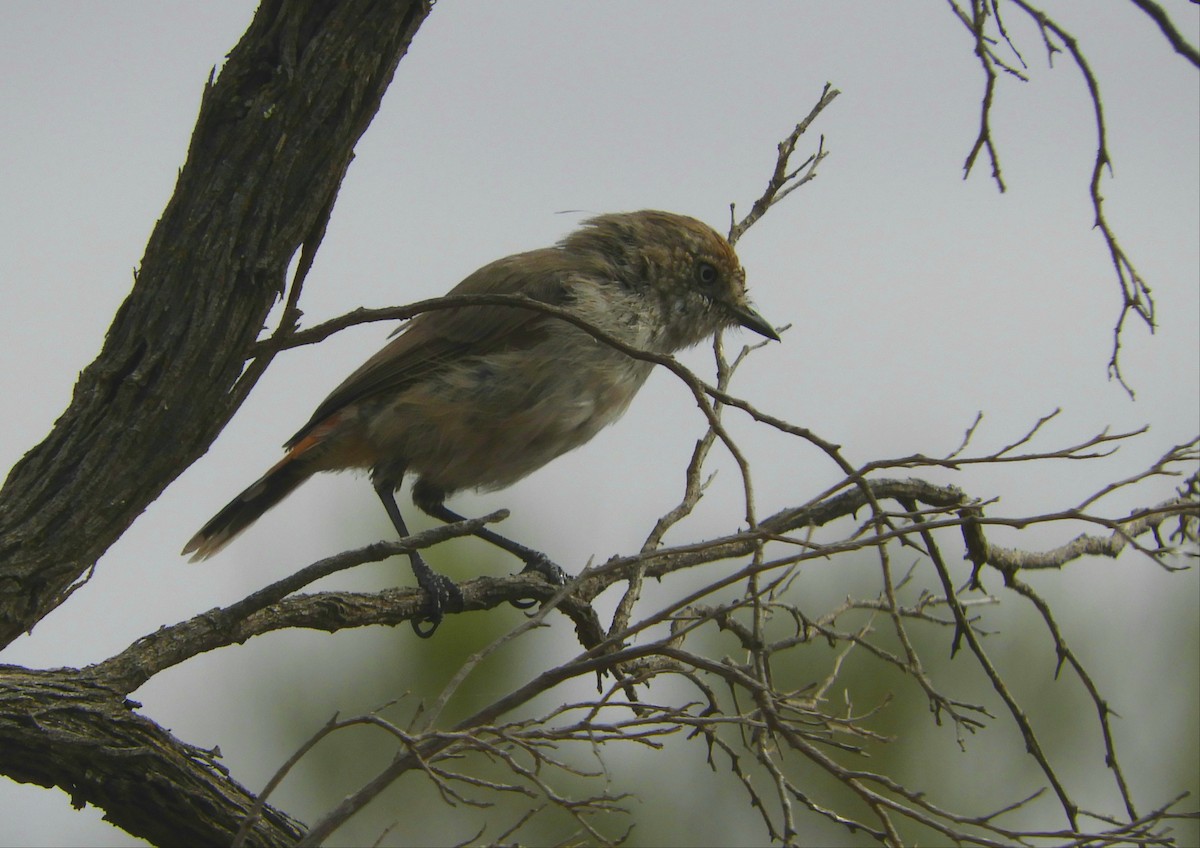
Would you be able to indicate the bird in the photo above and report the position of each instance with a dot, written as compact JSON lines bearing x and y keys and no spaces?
{"x":477,"y":397}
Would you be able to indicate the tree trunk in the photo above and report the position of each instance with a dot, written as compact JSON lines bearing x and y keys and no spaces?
{"x":275,"y":135}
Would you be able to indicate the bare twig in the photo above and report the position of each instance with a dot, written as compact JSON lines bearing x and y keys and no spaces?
{"x":1136,"y":297}
{"x":785,"y":179}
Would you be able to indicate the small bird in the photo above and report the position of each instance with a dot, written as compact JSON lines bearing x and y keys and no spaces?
{"x":477,"y":397}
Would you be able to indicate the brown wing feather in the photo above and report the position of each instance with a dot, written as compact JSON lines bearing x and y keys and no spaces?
{"x":434,"y":339}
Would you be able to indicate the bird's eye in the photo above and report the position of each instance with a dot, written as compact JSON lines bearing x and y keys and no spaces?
{"x":706,"y":274}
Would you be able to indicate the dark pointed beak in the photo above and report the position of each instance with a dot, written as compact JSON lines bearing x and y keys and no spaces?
{"x":751,"y":320}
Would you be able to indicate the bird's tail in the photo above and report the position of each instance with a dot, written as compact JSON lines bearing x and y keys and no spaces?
{"x":249,"y":506}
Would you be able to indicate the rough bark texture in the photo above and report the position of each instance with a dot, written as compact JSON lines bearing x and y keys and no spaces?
{"x":274,"y":137}
{"x":60,"y":728}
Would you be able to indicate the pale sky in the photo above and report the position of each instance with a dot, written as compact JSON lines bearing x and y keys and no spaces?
{"x":916,"y":299}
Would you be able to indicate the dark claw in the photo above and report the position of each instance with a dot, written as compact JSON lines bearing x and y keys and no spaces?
{"x":441,"y":594}
{"x":553,"y":575}
{"x":543,"y":566}
{"x":425,"y":634}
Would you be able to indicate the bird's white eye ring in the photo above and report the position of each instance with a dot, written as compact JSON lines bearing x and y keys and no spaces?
{"x":706,"y":274}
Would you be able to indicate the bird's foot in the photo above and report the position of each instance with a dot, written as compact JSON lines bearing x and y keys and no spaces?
{"x":441,"y":595}
{"x":539,"y":563}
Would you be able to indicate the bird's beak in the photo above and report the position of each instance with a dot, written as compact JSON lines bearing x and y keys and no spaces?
{"x":751,"y":320}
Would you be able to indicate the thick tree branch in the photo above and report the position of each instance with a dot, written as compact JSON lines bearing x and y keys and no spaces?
{"x":274,"y":137}
{"x":61,"y":728}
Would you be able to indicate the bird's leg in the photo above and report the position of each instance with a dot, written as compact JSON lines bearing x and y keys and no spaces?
{"x":440,"y":591}
{"x":430,"y":502}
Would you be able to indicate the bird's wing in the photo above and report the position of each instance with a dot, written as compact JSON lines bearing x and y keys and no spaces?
{"x":434,"y":339}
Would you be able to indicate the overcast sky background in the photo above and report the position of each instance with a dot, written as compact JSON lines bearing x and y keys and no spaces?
{"x":915,"y":299}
